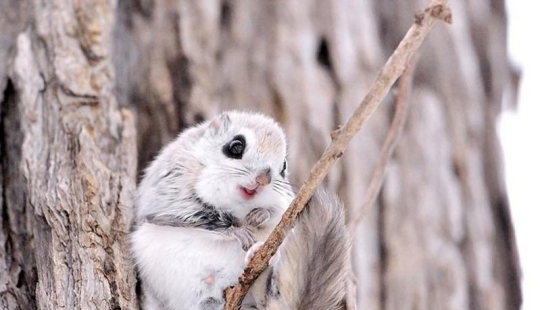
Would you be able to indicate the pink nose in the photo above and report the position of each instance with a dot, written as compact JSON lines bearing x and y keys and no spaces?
{"x":264,"y":178}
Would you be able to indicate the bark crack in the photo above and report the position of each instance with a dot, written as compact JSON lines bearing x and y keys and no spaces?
{"x":507,"y":252}
{"x":324,"y":58}
{"x":18,"y":277}
{"x":8,"y":93}
{"x":225,"y":14}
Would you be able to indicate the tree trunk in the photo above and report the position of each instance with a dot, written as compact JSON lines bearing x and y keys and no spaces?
{"x":68,"y":163}
{"x":85,"y":86}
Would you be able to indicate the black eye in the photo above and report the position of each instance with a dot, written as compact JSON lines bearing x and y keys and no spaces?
{"x":235,"y":148}
{"x":282,"y":173}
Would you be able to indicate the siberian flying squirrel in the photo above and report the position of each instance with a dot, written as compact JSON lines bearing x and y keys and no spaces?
{"x":208,"y":197}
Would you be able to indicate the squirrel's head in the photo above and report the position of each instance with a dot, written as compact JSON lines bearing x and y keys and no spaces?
{"x":243,"y":161}
{"x":235,"y":161}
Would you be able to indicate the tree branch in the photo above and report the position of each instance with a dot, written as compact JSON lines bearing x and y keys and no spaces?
{"x":402,"y":97}
{"x":403,"y":94}
{"x":341,"y":137}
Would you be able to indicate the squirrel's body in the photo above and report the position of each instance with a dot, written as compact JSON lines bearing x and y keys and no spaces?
{"x":204,"y":201}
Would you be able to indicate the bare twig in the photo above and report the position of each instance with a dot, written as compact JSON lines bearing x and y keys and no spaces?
{"x":402,"y":96}
{"x":350,"y":295}
{"x":403,"y":93}
{"x":340,"y":139}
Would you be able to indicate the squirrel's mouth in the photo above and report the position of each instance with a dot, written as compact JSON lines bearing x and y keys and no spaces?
{"x":247,"y":193}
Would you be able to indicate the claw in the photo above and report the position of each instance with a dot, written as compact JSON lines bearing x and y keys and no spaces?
{"x":254,"y":248}
{"x":244,"y":235}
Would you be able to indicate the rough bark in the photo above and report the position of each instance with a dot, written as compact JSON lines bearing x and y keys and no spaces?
{"x":439,"y":236}
{"x":69,"y":164}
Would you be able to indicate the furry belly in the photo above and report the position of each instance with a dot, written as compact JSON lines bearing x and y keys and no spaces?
{"x":184,"y":267}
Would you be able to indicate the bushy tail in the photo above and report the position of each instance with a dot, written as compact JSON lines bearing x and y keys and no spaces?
{"x":310,"y":269}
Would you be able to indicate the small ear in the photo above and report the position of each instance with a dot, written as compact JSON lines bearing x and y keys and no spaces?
{"x":220,"y":122}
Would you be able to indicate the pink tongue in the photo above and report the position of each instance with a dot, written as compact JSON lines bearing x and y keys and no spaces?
{"x":249,"y":191}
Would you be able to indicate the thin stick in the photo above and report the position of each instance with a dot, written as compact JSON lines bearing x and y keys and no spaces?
{"x":350,"y":295}
{"x":403,"y":94}
{"x":341,"y":137}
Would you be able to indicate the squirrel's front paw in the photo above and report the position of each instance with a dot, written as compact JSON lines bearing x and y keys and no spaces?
{"x":257,"y":246}
{"x":244,"y":235}
{"x":257,"y":217}
{"x":251,"y":252}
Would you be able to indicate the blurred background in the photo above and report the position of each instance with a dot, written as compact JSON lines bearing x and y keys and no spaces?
{"x":519,"y":130}
{"x":91,"y":90}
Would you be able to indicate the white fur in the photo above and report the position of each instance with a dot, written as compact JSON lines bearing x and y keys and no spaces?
{"x":174,"y":263}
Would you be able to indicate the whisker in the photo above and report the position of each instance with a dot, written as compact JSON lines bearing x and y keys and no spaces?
{"x":277,"y":186}
{"x":237,"y":170}
{"x":234,"y":173}
{"x":294,"y":187}
{"x":283,"y":191}
{"x":282,"y":182}
{"x":225,"y":176}
{"x":284,"y":186}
